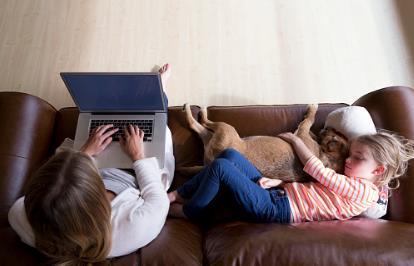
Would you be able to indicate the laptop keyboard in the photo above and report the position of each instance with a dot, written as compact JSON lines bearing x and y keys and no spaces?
{"x":144,"y":125}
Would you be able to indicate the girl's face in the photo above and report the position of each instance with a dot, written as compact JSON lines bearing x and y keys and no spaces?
{"x":361,"y":163}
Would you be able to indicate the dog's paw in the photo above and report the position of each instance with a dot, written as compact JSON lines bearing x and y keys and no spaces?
{"x":313,"y":107}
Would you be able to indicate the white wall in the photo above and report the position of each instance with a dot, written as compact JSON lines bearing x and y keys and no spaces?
{"x":223,"y":52}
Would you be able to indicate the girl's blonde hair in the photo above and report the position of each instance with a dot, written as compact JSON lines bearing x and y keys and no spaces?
{"x":392,"y":151}
{"x":66,"y":206}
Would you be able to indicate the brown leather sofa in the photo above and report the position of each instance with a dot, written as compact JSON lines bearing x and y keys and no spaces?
{"x":32,"y":129}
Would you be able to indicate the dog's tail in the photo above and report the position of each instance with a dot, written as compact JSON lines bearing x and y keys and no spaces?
{"x":192,"y":122}
{"x":306,"y":124}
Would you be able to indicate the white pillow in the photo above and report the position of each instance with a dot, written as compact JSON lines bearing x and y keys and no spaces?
{"x":351,"y":121}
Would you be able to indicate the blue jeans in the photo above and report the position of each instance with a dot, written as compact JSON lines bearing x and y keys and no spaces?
{"x":232,"y":171}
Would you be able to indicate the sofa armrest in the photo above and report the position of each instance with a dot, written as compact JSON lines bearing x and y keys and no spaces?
{"x":27,"y":129}
{"x":392,"y":108}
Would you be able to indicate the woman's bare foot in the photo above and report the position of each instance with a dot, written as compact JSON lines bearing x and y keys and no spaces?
{"x":175,"y":197}
{"x":165,"y":72}
{"x":176,"y":210}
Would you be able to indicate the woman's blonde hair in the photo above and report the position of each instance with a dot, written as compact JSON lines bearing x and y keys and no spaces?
{"x":67,"y":208}
{"x":391,"y":150}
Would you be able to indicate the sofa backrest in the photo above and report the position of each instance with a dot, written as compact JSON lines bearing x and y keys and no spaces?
{"x":268,"y":120}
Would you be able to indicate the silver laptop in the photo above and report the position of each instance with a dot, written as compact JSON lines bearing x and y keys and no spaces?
{"x":119,"y":99}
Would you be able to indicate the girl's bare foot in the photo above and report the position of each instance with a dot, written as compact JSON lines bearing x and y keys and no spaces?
{"x":165,"y":72}
{"x":175,"y":197}
{"x":172,"y":196}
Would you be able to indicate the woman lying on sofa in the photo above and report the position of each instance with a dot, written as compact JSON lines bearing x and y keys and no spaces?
{"x":75,"y":215}
{"x":374,"y":161}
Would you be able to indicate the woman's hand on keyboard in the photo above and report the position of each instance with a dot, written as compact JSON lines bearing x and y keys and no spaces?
{"x":99,"y":140}
{"x":133,"y":142}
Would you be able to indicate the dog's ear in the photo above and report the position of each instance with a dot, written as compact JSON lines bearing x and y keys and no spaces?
{"x":342,"y":143}
{"x":336,"y":145}
{"x":335,"y":148}
{"x":332,"y":141}
{"x":323,"y":134}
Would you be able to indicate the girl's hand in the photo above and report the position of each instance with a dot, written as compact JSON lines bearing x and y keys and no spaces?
{"x":289,"y":137}
{"x":99,"y":140}
{"x":133,"y":142}
{"x":266,"y":183}
{"x":303,"y":152}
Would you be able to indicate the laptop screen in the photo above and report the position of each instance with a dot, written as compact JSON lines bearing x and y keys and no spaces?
{"x":116,"y":92}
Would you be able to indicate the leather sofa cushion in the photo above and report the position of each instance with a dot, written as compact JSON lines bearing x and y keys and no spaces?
{"x":353,"y":242}
{"x":179,"y":243}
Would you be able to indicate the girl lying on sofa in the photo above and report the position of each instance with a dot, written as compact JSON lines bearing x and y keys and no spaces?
{"x":375,"y":160}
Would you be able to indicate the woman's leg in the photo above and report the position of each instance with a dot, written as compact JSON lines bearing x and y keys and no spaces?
{"x":165,"y":72}
{"x":255,"y":202}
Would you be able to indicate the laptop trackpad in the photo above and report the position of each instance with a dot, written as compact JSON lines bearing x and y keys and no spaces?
{"x":113,"y":156}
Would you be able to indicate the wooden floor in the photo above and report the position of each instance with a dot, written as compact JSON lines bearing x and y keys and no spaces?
{"x":222,"y":52}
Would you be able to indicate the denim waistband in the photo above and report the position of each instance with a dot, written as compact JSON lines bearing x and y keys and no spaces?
{"x":281,"y":203}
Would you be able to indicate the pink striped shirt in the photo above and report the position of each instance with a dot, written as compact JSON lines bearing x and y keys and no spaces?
{"x":334,"y":196}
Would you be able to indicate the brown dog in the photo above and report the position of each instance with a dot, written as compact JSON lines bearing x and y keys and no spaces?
{"x":272,"y":156}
